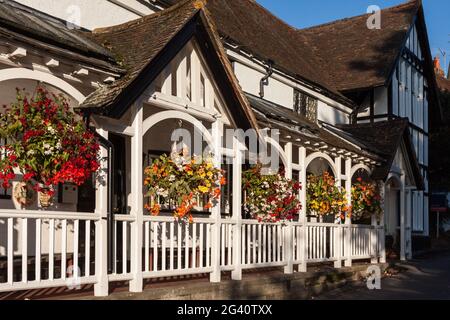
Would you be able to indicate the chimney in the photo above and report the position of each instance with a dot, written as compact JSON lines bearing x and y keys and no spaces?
{"x":437,"y":67}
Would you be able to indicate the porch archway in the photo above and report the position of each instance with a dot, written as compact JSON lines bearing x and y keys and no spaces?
{"x":320,"y":155}
{"x":23,"y":73}
{"x":171,"y":114}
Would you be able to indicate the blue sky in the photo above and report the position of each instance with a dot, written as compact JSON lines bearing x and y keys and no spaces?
{"x":305,"y":13}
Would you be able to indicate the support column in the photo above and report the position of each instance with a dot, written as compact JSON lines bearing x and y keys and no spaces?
{"x":137,"y":199}
{"x":374,"y":240}
{"x":338,"y":231}
{"x":382,"y":232}
{"x":217,"y":133}
{"x":348,"y":221}
{"x":408,"y":223}
{"x":302,"y":217}
{"x":288,"y":234}
{"x":101,"y":229}
{"x":403,"y":219}
{"x":288,"y":152}
{"x":236,"y":274}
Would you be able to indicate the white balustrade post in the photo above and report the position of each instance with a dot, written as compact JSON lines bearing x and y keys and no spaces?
{"x":137,"y":202}
{"x":374,"y":240}
{"x":337,"y":234}
{"x":302,"y":242}
{"x":382,"y":236}
{"x":236,"y":274}
{"x":348,"y":221}
{"x":101,"y":227}
{"x":403,"y":218}
{"x":288,"y":249}
{"x":217,"y":134}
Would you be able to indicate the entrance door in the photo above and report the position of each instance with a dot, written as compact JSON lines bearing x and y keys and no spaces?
{"x":119,"y":201}
{"x":392,"y":221}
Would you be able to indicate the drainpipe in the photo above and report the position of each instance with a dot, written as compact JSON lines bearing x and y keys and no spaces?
{"x":265,"y":80}
{"x":110,"y":147}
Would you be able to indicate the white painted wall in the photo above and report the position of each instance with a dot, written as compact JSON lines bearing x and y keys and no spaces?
{"x":91,"y":14}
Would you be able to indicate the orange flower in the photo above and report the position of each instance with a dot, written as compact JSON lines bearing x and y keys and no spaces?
{"x":208,"y":206}
{"x":223,"y":181}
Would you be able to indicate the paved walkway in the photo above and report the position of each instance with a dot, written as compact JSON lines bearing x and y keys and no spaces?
{"x":427,"y":278}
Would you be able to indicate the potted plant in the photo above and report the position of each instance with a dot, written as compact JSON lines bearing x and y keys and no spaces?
{"x":179,"y":180}
{"x":366,"y":200}
{"x":47,"y":143}
{"x":270,"y":198}
{"x":324,"y":198}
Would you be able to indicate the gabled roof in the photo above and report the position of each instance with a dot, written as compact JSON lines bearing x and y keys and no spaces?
{"x":386,"y":137}
{"x":359,"y":57}
{"x":146,"y":45}
{"x":253,"y":29}
{"x":21,"y":23}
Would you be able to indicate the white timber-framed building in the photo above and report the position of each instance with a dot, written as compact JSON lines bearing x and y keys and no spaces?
{"x":134,"y":69}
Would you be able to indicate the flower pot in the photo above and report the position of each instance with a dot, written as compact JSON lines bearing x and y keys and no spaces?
{"x":45,"y":197}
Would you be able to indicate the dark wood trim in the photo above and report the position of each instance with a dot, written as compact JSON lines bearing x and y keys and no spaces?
{"x":420,"y":130}
{"x":390,"y":106}
{"x":372,"y":105}
{"x":378,"y":116}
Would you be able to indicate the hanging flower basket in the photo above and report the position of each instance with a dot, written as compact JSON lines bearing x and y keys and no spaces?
{"x":366,"y":200}
{"x":46,"y":142}
{"x":179,"y":182}
{"x":270,"y":198}
{"x":325,"y":198}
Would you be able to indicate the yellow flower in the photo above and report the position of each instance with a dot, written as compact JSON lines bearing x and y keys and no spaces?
{"x":203,"y":189}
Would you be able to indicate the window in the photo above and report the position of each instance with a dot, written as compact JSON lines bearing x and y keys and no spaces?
{"x":305,"y":105}
{"x":202,"y":91}
{"x":188,"y":78}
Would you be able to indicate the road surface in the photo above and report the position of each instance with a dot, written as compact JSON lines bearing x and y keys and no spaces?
{"x":427,"y":278}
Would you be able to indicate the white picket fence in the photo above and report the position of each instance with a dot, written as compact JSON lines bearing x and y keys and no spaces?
{"x":50,"y":243}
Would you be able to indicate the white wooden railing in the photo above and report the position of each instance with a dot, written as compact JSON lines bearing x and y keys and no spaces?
{"x":51,"y":242}
{"x":46,"y":249}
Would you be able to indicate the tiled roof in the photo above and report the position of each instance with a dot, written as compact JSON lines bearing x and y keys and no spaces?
{"x":136,"y":44}
{"x":275,"y":116}
{"x":339,"y":56}
{"x":142,"y":44}
{"x":385,"y":138}
{"x":359,"y":57}
{"x":20,"y":21}
{"x":256,"y":31}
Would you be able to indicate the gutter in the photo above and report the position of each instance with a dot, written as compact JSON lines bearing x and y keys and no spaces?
{"x":265,"y":80}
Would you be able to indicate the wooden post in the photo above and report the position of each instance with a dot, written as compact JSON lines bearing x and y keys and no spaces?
{"x":337,"y":234}
{"x":374,"y":240}
{"x":408,"y":223}
{"x":137,"y":211}
{"x":302,"y":217}
{"x":382,"y":236}
{"x":403,"y":218}
{"x":236,"y":274}
{"x":348,"y":221}
{"x":288,"y":234}
{"x":101,"y":230}
{"x":217,"y":133}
